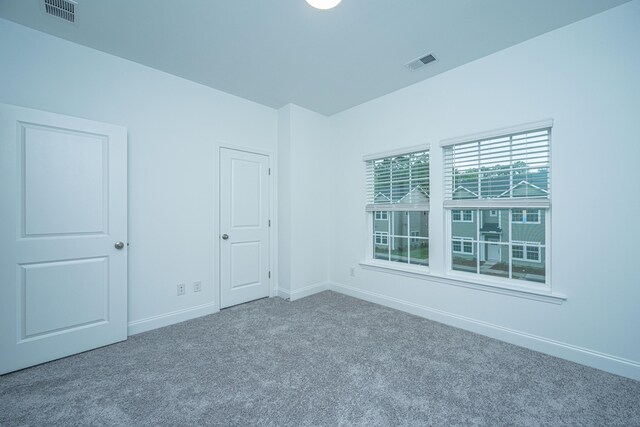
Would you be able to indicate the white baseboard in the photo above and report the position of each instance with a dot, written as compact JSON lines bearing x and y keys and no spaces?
{"x":282,"y":293}
{"x":166,"y":319}
{"x":584,"y":356}
{"x":303,"y":292}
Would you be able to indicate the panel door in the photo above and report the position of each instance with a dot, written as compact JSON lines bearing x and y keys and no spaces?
{"x":493,"y":252}
{"x":63,"y":207}
{"x":244,"y":227}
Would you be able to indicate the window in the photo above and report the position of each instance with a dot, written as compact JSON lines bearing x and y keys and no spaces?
{"x":398,"y":207}
{"x":462,"y":216}
{"x":529,"y":251}
{"x":462,"y":245}
{"x":381,"y":238}
{"x":526,"y":216}
{"x":517,"y":251}
{"x":503,"y":182}
{"x":533,"y":253}
{"x":381,"y":215}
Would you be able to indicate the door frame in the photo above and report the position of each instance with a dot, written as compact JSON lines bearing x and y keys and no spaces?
{"x":273,"y":215}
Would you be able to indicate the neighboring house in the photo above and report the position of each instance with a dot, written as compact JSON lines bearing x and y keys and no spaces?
{"x":525,"y":189}
{"x":530,"y":184}
{"x":416,"y":195}
{"x":487,"y":237}
{"x":396,"y":233}
{"x":381,"y":198}
{"x":463,"y":193}
{"x":476,"y":233}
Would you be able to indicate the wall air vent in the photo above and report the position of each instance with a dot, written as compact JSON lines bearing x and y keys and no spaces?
{"x":420,"y":62}
{"x":63,"y":9}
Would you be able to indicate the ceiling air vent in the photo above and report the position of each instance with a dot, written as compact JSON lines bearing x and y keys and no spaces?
{"x":420,"y":62}
{"x":63,"y":9}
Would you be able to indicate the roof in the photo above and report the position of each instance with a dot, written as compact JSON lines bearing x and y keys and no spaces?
{"x":513,"y":189}
{"x":471,"y":195}
{"x":491,"y":227}
{"x":416,"y":195}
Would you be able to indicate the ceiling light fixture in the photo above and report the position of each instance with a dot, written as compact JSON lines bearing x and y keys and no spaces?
{"x":323,"y":4}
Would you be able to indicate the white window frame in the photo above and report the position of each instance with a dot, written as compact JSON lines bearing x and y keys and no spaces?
{"x":525,"y":216}
{"x":525,"y":250}
{"x":462,"y":241}
{"x":380,"y":217}
{"x":540,"y":204}
{"x":441,"y":271}
{"x":493,"y":212}
{"x":381,"y":238}
{"x":397,"y":206}
{"x":462,"y":214}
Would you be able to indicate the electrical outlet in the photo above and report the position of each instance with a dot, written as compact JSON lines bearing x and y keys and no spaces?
{"x":197,"y":286}
{"x":352,"y":271}
{"x":181,"y":289}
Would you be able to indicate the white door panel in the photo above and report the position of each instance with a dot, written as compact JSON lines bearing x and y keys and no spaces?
{"x":63,"y":284}
{"x":244,"y":218}
{"x":53,"y":162}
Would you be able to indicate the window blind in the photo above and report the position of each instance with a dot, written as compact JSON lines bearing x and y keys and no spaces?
{"x":398,"y":183}
{"x":503,"y":171}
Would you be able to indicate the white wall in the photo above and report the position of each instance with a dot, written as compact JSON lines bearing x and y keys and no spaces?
{"x":587,"y":78}
{"x":173,"y":127}
{"x":304,"y":201}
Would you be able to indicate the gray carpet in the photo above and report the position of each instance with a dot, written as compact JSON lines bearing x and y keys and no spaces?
{"x":324,"y":360}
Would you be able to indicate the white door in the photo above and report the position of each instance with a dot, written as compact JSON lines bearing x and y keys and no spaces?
{"x":493,"y":252}
{"x":63,"y":207}
{"x":244,"y":227}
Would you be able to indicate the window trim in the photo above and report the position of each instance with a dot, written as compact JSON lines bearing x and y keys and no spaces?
{"x":519,"y":290}
{"x":494,"y":133}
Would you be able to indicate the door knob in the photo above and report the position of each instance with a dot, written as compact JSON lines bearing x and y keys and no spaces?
{"x":225,"y":236}
{"x":119,"y":245}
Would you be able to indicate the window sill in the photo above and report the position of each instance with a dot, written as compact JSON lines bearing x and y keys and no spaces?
{"x":519,"y":291}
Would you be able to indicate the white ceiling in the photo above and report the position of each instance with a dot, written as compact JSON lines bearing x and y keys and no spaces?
{"x":276,"y":52}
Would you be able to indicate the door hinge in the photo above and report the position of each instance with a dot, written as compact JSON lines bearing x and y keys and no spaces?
{"x":269,"y":171}
{"x":269,"y":275}
{"x":269,"y":223}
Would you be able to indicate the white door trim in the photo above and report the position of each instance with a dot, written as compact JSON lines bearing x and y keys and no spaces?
{"x":273,"y":213}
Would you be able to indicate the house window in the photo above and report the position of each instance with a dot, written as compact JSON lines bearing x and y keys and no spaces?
{"x":503,"y":182}
{"x":533,"y":253}
{"x":398,"y":208}
{"x":462,"y":245}
{"x":381,"y":238}
{"x":462,"y":216}
{"x":526,"y":216}
{"x":381,"y":215}
{"x":526,"y":251}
